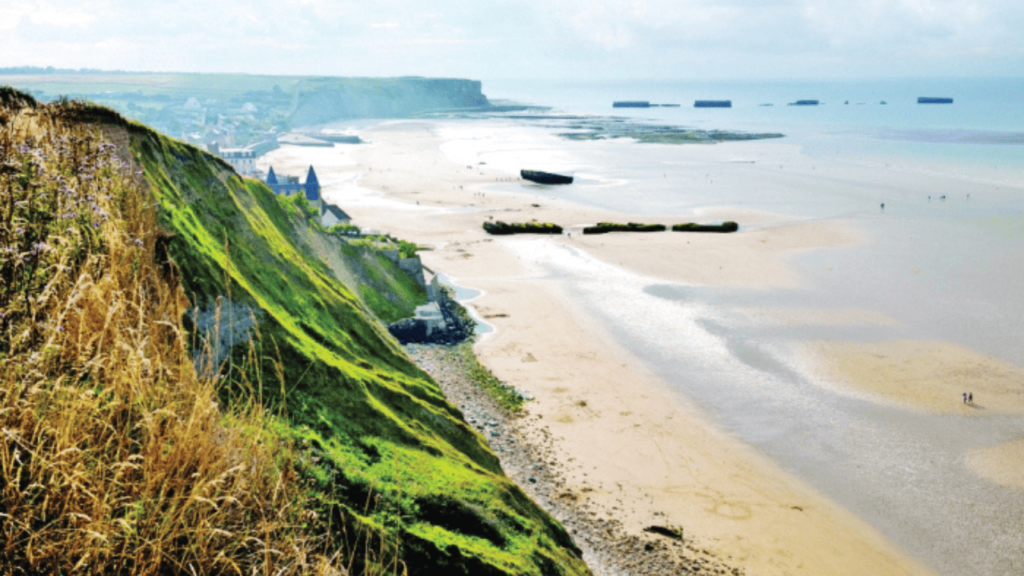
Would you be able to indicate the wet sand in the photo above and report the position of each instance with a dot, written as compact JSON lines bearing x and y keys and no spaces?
{"x":1003,"y":464}
{"x":923,"y":375}
{"x":623,"y":439}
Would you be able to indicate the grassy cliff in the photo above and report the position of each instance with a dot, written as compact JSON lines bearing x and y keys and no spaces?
{"x":369,"y":466}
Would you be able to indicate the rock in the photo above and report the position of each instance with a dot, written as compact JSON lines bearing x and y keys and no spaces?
{"x":670,"y":532}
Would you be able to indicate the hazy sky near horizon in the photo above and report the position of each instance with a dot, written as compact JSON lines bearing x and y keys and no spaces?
{"x":492,"y":39}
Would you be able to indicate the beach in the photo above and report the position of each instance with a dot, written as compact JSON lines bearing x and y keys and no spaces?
{"x":738,"y":386}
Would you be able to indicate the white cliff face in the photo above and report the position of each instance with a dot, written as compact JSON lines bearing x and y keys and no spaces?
{"x":339,"y":99}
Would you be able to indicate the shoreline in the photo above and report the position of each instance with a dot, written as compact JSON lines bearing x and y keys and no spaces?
{"x":729,"y":498}
{"x":525,"y":450}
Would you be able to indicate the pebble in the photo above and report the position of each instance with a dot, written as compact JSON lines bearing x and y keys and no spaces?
{"x":608,"y":549}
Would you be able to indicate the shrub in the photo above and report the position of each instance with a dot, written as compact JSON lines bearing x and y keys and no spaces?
{"x":345,"y":230}
{"x":407,"y":249}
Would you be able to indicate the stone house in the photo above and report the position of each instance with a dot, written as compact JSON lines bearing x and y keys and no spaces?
{"x":332,"y":215}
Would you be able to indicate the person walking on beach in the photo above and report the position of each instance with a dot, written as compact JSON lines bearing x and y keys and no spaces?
{"x":965,"y":397}
{"x":970,"y":397}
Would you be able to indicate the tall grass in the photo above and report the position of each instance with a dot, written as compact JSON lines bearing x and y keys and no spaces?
{"x":115,"y":456}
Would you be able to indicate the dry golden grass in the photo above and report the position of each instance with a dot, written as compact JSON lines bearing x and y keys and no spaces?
{"x":115,"y":457}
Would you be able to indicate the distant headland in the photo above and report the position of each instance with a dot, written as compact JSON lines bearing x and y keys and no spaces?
{"x":240,"y":110}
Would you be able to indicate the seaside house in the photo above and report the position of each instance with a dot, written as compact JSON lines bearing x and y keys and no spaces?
{"x":332,"y":215}
{"x":243,"y":160}
{"x":288,"y":185}
{"x":311,"y":187}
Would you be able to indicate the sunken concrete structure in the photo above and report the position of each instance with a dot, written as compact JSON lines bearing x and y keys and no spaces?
{"x":442,"y":320}
{"x":712,"y":104}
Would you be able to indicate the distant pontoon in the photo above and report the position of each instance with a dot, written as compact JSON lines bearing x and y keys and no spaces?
{"x":712,"y":104}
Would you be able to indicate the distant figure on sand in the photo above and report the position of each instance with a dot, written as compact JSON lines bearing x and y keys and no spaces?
{"x":965,"y":397}
{"x":970,"y":397}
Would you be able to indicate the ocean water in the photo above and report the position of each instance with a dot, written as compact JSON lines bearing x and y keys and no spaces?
{"x":942,"y":260}
{"x":987,"y":112}
{"x":985,"y":104}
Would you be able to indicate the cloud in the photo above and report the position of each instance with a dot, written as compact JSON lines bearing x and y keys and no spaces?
{"x":505,"y":38}
{"x":11,"y":14}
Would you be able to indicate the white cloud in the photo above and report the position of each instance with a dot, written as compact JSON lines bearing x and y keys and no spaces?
{"x":11,"y":14}
{"x":512,"y":37}
{"x":56,"y":15}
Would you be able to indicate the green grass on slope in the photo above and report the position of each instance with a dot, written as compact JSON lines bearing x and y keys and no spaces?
{"x":372,"y":423}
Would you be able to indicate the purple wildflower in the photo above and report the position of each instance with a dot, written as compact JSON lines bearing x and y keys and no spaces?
{"x":138,"y":242}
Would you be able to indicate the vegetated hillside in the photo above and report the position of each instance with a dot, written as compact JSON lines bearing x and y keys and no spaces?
{"x":368,"y":449}
{"x":115,"y":455}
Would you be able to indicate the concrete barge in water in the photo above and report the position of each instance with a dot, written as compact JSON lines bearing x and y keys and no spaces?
{"x":712,"y":104}
{"x":933,"y":100}
{"x":545,"y":177}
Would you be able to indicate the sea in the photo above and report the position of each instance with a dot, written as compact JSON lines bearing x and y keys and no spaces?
{"x":943,"y":258}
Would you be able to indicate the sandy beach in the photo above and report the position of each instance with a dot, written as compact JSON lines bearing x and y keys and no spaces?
{"x":627,"y":444}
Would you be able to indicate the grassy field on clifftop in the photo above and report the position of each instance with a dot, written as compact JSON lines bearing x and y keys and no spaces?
{"x":364,"y":443}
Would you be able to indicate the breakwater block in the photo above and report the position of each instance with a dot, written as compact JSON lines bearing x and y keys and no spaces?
{"x":606,"y":227}
{"x":724,"y":227}
{"x":631,"y":104}
{"x":933,"y":100}
{"x":712,"y":104}
{"x":545,"y":177}
{"x":499,"y":228}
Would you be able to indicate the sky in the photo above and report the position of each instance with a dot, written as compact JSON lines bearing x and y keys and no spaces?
{"x":505,"y":39}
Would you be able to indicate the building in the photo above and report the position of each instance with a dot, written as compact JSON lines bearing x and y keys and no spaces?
{"x":243,"y":160}
{"x":333,"y":215}
{"x":311,"y":188}
{"x":289,"y":185}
